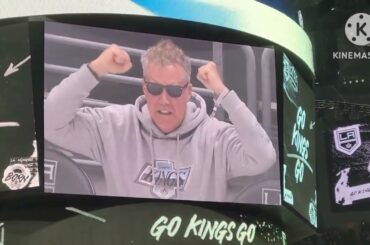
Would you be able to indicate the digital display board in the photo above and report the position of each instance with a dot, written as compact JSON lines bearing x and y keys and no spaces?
{"x":350,"y":164}
{"x":238,"y":66}
{"x":18,"y":149}
{"x":147,"y":223}
{"x":122,"y":130}
{"x":299,"y":169}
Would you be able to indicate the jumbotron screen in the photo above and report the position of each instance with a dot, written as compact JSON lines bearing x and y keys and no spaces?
{"x":350,"y":164}
{"x":153,"y":129}
{"x":299,"y":168}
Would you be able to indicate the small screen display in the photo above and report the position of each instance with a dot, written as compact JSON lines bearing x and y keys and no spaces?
{"x":18,"y":150}
{"x":350,"y":164}
{"x":299,"y":166}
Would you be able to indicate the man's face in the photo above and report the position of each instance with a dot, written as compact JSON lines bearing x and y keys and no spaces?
{"x":166,"y":111}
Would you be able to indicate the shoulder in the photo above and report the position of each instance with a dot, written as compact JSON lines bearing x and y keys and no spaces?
{"x":111,"y":112}
{"x":215,"y":126}
{"x":117,"y":109}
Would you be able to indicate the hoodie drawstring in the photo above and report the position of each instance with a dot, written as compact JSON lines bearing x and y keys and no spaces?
{"x":151,"y":147}
{"x":177,"y":160}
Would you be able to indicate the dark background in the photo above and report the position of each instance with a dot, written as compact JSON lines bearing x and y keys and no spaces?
{"x":16,"y":97}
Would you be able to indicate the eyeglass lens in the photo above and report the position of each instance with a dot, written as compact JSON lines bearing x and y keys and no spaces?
{"x":172,"y":90}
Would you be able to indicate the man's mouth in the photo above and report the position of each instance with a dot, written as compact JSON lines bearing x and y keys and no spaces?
{"x":164,"y":112}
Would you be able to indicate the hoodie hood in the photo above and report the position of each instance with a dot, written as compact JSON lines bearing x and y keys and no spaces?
{"x":196,"y":113}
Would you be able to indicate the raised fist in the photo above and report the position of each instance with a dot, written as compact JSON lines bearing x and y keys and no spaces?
{"x":112,"y":60}
{"x":208,"y":75}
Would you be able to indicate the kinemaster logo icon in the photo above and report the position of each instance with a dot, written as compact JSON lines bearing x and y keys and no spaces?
{"x":357,"y":29}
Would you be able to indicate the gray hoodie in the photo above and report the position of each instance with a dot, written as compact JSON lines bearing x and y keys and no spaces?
{"x":194,"y":162}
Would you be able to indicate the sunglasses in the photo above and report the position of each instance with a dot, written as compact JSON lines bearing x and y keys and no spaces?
{"x":173,"y":90}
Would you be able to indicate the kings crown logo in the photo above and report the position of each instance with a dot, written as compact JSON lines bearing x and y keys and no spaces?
{"x":347,"y":139}
{"x":164,"y":179}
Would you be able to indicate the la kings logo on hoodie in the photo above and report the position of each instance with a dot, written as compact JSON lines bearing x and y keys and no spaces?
{"x":165,"y":180}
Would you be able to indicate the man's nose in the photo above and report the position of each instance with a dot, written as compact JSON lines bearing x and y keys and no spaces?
{"x":164,"y":97}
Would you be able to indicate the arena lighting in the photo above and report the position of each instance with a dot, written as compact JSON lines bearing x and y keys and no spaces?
{"x":249,"y":17}
{"x":79,"y":211}
{"x":9,"y":124}
{"x":300,"y":18}
{"x":343,"y":106}
{"x":354,"y":81}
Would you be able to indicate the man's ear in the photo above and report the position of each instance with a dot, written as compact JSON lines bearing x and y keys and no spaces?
{"x":144,"y":88}
{"x":189,"y":90}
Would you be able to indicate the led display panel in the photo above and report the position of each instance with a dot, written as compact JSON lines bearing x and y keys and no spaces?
{"x":350,"y":164}
{"x":299,"y":169}
{"x":18,"y":149}
{"x":125,"y":120}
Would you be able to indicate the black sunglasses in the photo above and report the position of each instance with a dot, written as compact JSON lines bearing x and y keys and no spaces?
{"x":173,"y":90}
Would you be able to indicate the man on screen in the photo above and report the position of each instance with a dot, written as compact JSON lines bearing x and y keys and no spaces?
{"x":164,"y":146}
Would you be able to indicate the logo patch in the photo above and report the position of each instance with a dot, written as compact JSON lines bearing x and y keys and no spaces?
{"x":358,"y":29}
{"x":50,"y":170}
{"x":347,"y":139}
{"x":16,"y":176}
{"x":165,"y":180}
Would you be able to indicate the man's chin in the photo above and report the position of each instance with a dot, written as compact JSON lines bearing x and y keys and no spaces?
{"x":166,"y":129}
{"x":164,"y":125}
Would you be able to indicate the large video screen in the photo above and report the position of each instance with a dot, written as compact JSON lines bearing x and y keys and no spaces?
{"x":152,"y":116}
{"x":18,"y":149}
{"x":350,"y":164}
{"x":299,"y":168}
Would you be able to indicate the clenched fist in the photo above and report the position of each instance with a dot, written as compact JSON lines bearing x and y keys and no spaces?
{"x":208,"y":75}
{"x":112,"y":60}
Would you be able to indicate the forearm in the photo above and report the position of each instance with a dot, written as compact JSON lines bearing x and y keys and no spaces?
{"x":65,"y":124}
{"x":66,"y":98}
{"x":256,"y":145}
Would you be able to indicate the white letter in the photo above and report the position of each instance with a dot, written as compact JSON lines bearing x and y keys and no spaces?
{"x":192,"y":226}
{"x":173,"y":226}
{"x":241,"y":233}
{"x":251,"y":233}
{"x":221,"y":232}
{"x":156,"y":231}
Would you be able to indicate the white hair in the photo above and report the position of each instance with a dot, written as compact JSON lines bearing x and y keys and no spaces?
{"x":166,"y":52}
